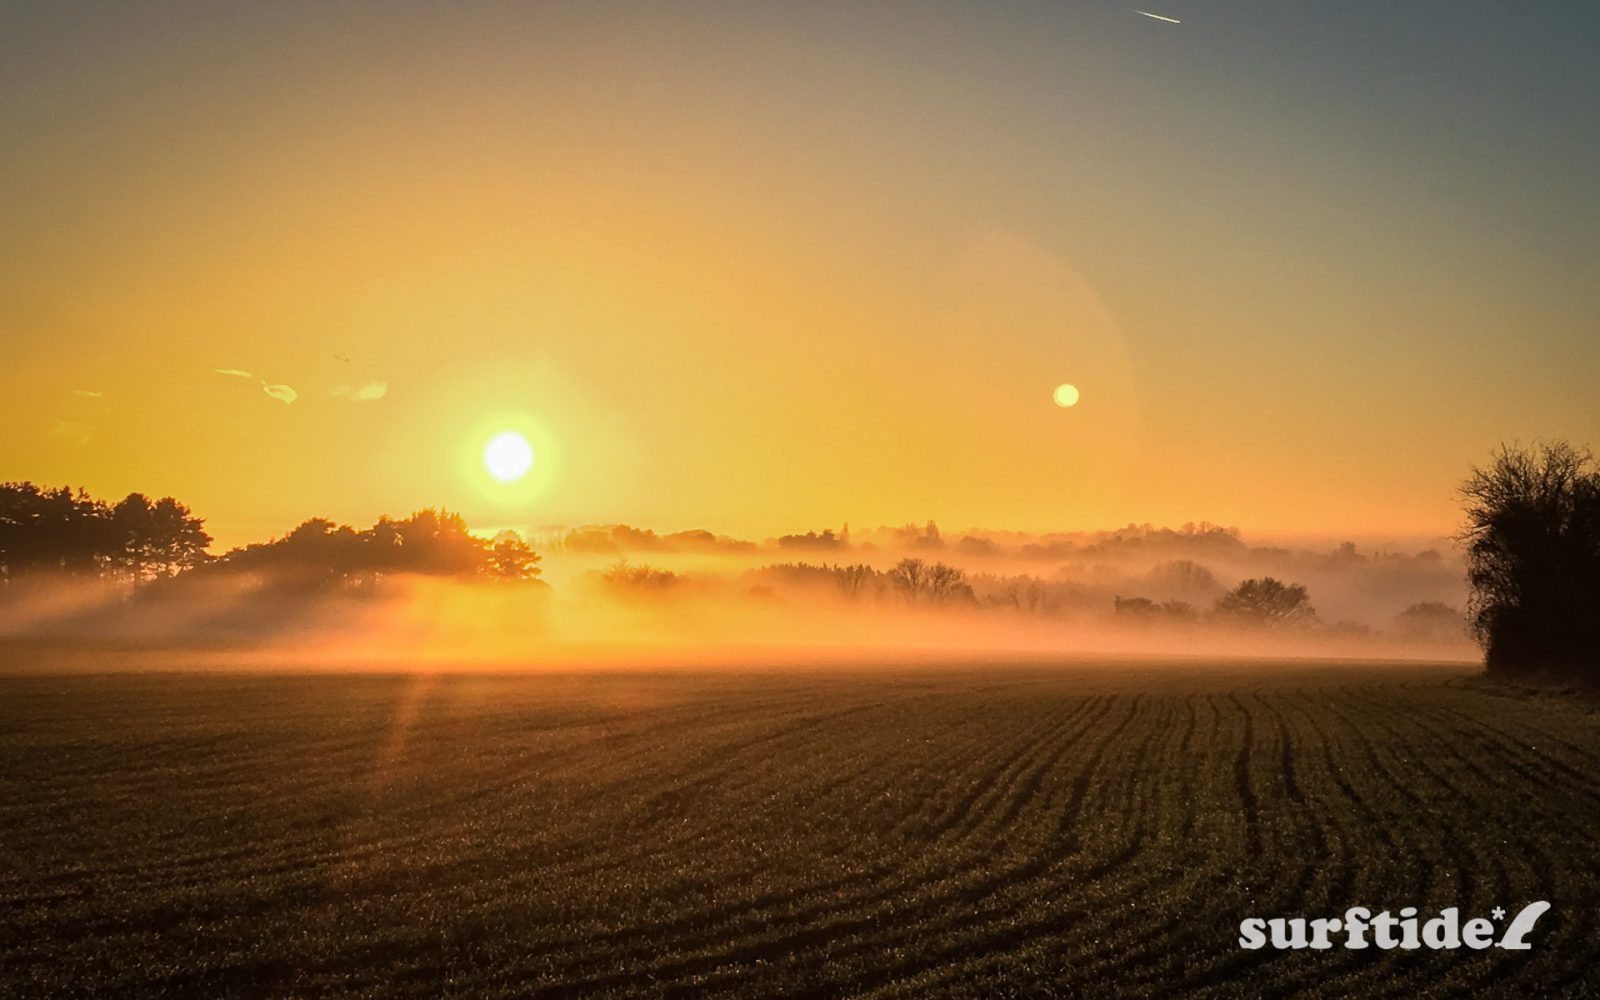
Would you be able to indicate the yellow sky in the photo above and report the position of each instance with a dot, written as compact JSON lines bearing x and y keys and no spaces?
{"x":831,"y":272}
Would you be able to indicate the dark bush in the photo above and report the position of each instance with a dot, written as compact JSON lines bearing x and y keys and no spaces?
{"x":1533,"y":561}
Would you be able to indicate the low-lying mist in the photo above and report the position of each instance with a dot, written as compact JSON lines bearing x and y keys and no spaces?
{"x":620,"y":597}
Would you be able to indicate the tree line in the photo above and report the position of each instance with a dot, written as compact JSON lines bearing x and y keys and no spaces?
{"x":1532,"y":541}
{"x":916,"y":581}
{"x":65,"y":532}
{"x":1264,"y":601}
{"x":432,"y":542}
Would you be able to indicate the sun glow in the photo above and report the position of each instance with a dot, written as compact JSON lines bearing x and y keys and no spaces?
{"x":508,"y":456}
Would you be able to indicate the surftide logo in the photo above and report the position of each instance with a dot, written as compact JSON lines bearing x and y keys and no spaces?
{"x":1360,"y":928}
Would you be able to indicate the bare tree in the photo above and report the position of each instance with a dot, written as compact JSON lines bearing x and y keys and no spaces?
{"x":909,"y":576}
{"x":853,"y":580}
{"x":946,"y":584}
{"x":937,"y":582}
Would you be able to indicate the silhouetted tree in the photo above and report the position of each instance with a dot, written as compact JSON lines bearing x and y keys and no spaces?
{"x":946,"y":584}
{"x":512,"y":558}
{"x":1134,"y":607}
{"x":1533,"y":561}
{"x":1266,"y":601}
{"x":437,"y":543}
{"x":937,"y":582}
{"x":131,"y":526}
{"x":1183,"y":576}
{"x":977,"y":545}
{"x":315,"y":554}
{"x":156,"y":539}
{"x":926,"y":538}
{"x":1179,"y":610}
{"x":320,"y":553}
{"x":180,"y":539}
{"x":908,"y":576}
{"x":57,"y":530}
{"x":1020,"y":593}
{"x":1026,"y":593}
{"x":811,"y":540}
{"x":853,"y":580}
{"x":1144,"y":609}
{"x":624,"y":578}
{"x":1430,"y":620}
{"x":66,"y":531}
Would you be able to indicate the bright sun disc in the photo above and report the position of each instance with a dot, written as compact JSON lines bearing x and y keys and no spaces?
{"x":1066,"y":394}
{"x":508,"y":456}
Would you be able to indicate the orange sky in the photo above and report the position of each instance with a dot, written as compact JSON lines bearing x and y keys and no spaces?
{"x":761,"y":272}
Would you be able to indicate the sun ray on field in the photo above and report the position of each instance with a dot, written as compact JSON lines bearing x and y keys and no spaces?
{"x":407,"y":707}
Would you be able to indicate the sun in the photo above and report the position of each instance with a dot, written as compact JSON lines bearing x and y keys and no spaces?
{"x":508,"y":456}
{"x":1066,"y":394}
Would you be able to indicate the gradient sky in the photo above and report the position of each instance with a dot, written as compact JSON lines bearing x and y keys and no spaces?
{"x":762,"y":267}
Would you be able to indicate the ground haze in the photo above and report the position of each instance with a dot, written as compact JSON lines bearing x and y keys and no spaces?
{"x":904,"y":832}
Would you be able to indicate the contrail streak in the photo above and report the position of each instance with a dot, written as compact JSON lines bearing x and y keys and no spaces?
{"x":1158,"y":17}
